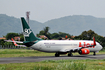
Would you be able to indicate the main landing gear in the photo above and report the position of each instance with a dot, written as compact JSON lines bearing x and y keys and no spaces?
{"x":94,"y":53}
{"x":57,"y":54}
{"x":70,"y":54}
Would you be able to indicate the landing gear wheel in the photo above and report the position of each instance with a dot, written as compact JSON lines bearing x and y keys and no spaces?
{"x":94,"y":53}
{"x":70,"y":54}
{"x":57,"y":55}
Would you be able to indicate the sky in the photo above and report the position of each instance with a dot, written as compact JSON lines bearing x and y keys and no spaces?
{"x":44,"y":10}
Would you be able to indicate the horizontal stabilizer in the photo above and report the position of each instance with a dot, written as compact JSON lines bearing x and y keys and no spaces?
{"x":14,"y":41}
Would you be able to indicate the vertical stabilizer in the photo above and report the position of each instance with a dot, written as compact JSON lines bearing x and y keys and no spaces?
{"x":28,"y":33}
{"x":14,"y":42}
{"x":94,"y":42}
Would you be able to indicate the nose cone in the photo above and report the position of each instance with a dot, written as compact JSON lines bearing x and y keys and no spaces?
{"x":101,"y":47}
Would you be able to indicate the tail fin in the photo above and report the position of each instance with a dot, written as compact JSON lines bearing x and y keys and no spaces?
{"x":94,"y":41}
{"x":14,"y":42}
{"x":28,"y":34}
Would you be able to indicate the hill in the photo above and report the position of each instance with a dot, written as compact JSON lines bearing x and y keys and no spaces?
{"x":11,"y":24}
{"x":73,"y":25}
{"x":76,"y":24}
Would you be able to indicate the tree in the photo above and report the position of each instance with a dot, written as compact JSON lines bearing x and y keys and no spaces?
{"x":55,"y":35}
{"x":100,"y":39}
{"x":2,"y":42}
{"x":45,"y":32}
{"x":21,"y":36}
{"x":90,"y":34}
{"x":8,"y":43}
{"x":11,"y":35}
{"x":46,"y":29}
{"x":87,"y":35}
{"x":61,"y":34}
{"x":41,"y":32}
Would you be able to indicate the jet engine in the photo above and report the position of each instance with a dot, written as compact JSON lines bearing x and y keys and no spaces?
{"x":84,"y":51}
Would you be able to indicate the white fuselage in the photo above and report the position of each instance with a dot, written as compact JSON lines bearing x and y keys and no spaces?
{"x":64,"y":45}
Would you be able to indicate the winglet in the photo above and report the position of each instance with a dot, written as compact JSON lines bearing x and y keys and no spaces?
{"x":94,"y":43}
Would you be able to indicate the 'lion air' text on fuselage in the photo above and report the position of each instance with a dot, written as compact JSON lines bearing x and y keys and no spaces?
{"x":84,"y":44}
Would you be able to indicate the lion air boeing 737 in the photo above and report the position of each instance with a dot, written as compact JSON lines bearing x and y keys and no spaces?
{"x":58,"y":46}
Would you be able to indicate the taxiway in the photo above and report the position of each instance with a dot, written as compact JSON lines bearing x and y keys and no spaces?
{"x":41,"y":58}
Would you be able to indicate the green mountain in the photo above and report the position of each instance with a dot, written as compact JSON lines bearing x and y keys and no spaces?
{"x":73,"y":25}
{"x":11,"y":24}
{"x":76,"y":24}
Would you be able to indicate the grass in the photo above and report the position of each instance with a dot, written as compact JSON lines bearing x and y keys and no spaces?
{"x":87,"y":64}
{"x":28,"y":53}
{"x":22,"y":53}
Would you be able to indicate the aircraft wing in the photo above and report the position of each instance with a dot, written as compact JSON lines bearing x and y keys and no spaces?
{"x":73,"y":50}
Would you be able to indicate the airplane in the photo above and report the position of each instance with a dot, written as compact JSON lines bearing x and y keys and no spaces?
{"x":14,"y":42}
{"x":17,"y":44}
{"x":58,"y":47}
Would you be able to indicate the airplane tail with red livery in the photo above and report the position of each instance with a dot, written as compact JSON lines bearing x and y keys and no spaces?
{"x":16,"y":43}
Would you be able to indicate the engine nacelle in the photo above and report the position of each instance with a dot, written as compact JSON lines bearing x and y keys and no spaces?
{"x":84,"y":51}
